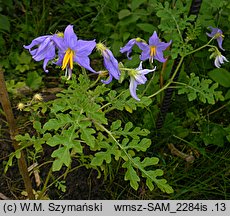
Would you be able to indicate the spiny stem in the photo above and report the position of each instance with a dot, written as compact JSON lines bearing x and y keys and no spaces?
{"x":5,"y":101}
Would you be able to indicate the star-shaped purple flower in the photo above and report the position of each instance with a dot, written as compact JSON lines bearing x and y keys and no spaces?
{"x":73,"y":50}
{"x":44,"y":49}
{"x":153,"y":50}
{"x":137,"y":77}
{"x":218,"y":34}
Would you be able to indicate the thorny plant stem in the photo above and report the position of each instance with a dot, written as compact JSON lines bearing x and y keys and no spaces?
{"x":5,"y":102}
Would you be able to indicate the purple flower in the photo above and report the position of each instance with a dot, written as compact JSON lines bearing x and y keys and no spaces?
{"x":137,"y":77}
{"x":73,"y":50}
{"x":129,"y":46}
{"x":219,"y":60}
{"x":44,"y":49}
{"x":218,"y":34}
{"x":110,"y":63}
{"x":153,"y":50}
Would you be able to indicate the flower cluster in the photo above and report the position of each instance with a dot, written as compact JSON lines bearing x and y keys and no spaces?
{"x":70,"y":50}
{"x":65,"y":49}
{"x":218,"y":35}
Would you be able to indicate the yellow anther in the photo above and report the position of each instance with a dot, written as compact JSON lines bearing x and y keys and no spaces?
{"x":152,"y":51}
{"x":68,"y":59}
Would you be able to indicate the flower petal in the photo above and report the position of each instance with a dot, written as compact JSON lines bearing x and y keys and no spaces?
{"x":216,"y":62}
{"x":111,"y":64}
{"x":85,"y":47}
{"x":140,"y":79}
{"x":142,"y":45}
{"x":133,"y":88}
{"x":146,"y":71}
{"x":220,"y":41}
{"x":109,"y":80}
{"x":154,"y":40}
{"x":59,"y":42}
{"x":84,"y":62}
{"x":45,"y":50}
{"x":128,"y":48}
{"x":159,"y":56}
{"x":145,"y":54}
{"x":163,"y":46}
{"x":60,"y":59}
{"x":37,"y":41}
{"x":139,"y":67}
{"x":70,"y":37}
{"x":44,"y":65}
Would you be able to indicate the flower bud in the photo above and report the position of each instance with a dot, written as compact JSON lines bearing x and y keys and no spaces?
{"x":38,"y":97}
{"x":20,"y":106}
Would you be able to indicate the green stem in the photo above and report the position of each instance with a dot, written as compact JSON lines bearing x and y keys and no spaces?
{"x":96,"y":81}
{"x":77,"y":167}
{"x":147,"y":86}
{"x":41,"y":194}
{"x":200,"y":48}
{"x":171,"y":79}
{"x":178,"y":29}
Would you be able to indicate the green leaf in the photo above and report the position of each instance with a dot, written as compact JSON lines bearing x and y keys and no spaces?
{"x":213,"y":134}
{"x":34,"y":80}
{"x":24,"y":137}
{"x":86,"y":135}
{"x":4,"y":23}
{"x":9,"y":162}
{"x":131,"y":175}
{"x":139,"y":146}
{"x":57,"y":140}
{"x":220,"y":76}
{"x":62,"y":156}
{"x":150,"y":161}
{"x":100,"y":157}
{"x":24,"y":58}
{"x":37,"y":126}
{"x":123,"y":13}
{"x":60,"y":122}
{"x":115,"y":125}
{"x":136,"y":3}
{"x":116,"y":47}
{"x":125,"y":36}
{"x":202,"y":89}
{"x":227,"y":95}
{"x":164,"y":186}
{"x":146,"y":27}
